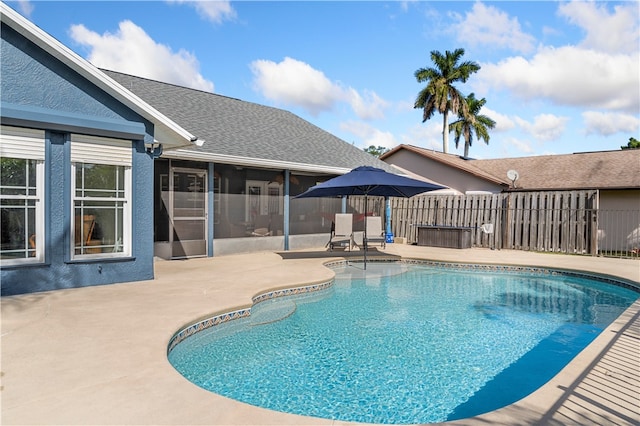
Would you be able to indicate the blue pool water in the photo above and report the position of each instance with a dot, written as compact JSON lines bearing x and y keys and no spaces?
{"x":403,"y":344}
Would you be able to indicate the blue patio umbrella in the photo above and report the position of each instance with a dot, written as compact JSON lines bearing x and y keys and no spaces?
{"x":367,"y":180}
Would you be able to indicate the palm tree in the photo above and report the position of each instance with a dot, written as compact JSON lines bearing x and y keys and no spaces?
{"x":472,"y":122}
{"x":440,"y":95}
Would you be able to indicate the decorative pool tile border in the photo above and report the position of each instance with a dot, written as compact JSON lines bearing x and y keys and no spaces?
{"x":242,"y":313}
{"x":538,"y":270}
{"x":291,"y":291}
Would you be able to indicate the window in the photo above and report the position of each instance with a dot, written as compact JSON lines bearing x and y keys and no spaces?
{"x":22,"y":215}
{"x":263,"y":198}
{"x":21,"y":196}
{"x":101,"y":182}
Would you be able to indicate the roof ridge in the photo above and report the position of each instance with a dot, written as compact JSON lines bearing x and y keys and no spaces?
{"x":191,"y":89}
{"x":245,"y":131}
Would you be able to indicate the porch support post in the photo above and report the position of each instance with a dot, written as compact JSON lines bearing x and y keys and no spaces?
{"x":387,"y":216}
{"x":210,"y":210}
{"x":285,"y":216}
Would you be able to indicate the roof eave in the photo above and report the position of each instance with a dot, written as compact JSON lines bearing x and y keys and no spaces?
{"x":576,"y":188}
{"x":172,"y":135}
{"x":421,"y":152}
{"x":186,"y":154}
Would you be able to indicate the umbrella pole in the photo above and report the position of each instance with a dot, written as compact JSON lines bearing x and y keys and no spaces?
{"x":364,"y":238}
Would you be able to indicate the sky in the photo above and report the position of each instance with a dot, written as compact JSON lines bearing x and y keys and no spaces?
{"x":558,"y":77}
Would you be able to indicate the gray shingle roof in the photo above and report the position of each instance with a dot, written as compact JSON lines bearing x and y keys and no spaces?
{"x":584,"y":170}
{"x":233,"y":127}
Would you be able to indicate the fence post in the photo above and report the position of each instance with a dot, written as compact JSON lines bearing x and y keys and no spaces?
{"x":507,"y":222}
{"x":594,"y":222}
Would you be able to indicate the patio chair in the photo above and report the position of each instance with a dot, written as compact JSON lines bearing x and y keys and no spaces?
{"x":262,"y":226}
{"x":487,"y":229}
{"x":85,"y":227}
{"x":375,"y":232}
{"x":341,"y":230}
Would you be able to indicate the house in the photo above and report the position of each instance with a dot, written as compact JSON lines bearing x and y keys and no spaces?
{"x":448,"y":170}
{"x":101,"y":171}
{"x":614,"y":175}
{"x":235,"y":192}
{"x":75,"y":167}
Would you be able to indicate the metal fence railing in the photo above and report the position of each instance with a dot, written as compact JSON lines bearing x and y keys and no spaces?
{"x":619,"y":233}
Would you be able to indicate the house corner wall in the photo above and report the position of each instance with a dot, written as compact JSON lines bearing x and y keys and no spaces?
{"x":44,"y":93}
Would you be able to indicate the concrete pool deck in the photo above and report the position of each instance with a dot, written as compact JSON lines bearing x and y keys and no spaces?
{"x":97,"y":355}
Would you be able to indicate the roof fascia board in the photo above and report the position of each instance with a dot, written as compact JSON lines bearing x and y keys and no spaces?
{"x":572,"y":188}
{"x":56,"y":49}
{"x":391,"y":152}
{"x":34,"y":117}
{"x":183,"y":154}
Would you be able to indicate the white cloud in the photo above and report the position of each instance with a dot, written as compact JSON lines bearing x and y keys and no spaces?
{"x":545,"y":127}
{"x":406,"y":106}
{"x":293,"y":82}
{"x":427,"y":135}
{"x":357,"y":128}
{"x":615,"y":32}
{"x":404,"y":5}
{"x":520,"y":145}
{"x":503,"y":122}
{"x":26,"y":7}
{"x":550,"y":32}
{"x":489,"y":26}
{"x":130,"y":50}
{"x":606,"y":124}
{"x":569,"y":76}
{"x":369,"y":135}
{"x":214,"y":11}
{"x":380,"y":138}
{"x":370,"y":107}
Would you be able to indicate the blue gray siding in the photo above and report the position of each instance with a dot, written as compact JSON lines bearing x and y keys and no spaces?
{"x":39,"y":91}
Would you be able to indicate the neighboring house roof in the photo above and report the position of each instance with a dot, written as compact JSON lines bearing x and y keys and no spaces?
{"x":449,"y":160}
{"x":584,"y":170}
{"x":245,"y":133}
{"x":166,"y":131}
{"x":587,"y":170}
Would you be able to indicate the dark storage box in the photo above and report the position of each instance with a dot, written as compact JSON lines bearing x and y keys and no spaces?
{"x":444,"y":236}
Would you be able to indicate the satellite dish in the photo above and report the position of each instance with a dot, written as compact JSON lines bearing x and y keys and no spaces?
{"x":513,"y":176}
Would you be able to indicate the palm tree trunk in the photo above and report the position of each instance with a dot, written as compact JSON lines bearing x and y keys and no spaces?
{"x":445,"y":132}
{"x":466,"y":150}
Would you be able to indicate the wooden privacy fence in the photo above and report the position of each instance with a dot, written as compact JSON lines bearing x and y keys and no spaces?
{"x":557,"y":221}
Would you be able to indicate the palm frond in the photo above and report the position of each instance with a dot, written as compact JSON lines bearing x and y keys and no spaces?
{"x":470,"y":121}
{"x":440,"y":94}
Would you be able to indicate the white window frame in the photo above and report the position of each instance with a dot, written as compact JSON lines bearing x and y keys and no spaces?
{"x":109,"y":152}
{"x":27,"y":144}
{"x":262,"y":199}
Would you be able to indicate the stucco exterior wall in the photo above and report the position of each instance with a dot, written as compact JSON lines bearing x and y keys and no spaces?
{"x":619,"y":220}
{"x":52,"y":95}
{"x":33,"y":78}
{"x":441,"y":173}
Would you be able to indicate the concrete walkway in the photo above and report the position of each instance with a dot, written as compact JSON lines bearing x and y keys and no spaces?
{"x":98,"y":355}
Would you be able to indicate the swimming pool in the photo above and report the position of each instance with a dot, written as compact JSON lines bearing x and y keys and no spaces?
{"x":401,"y":343}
